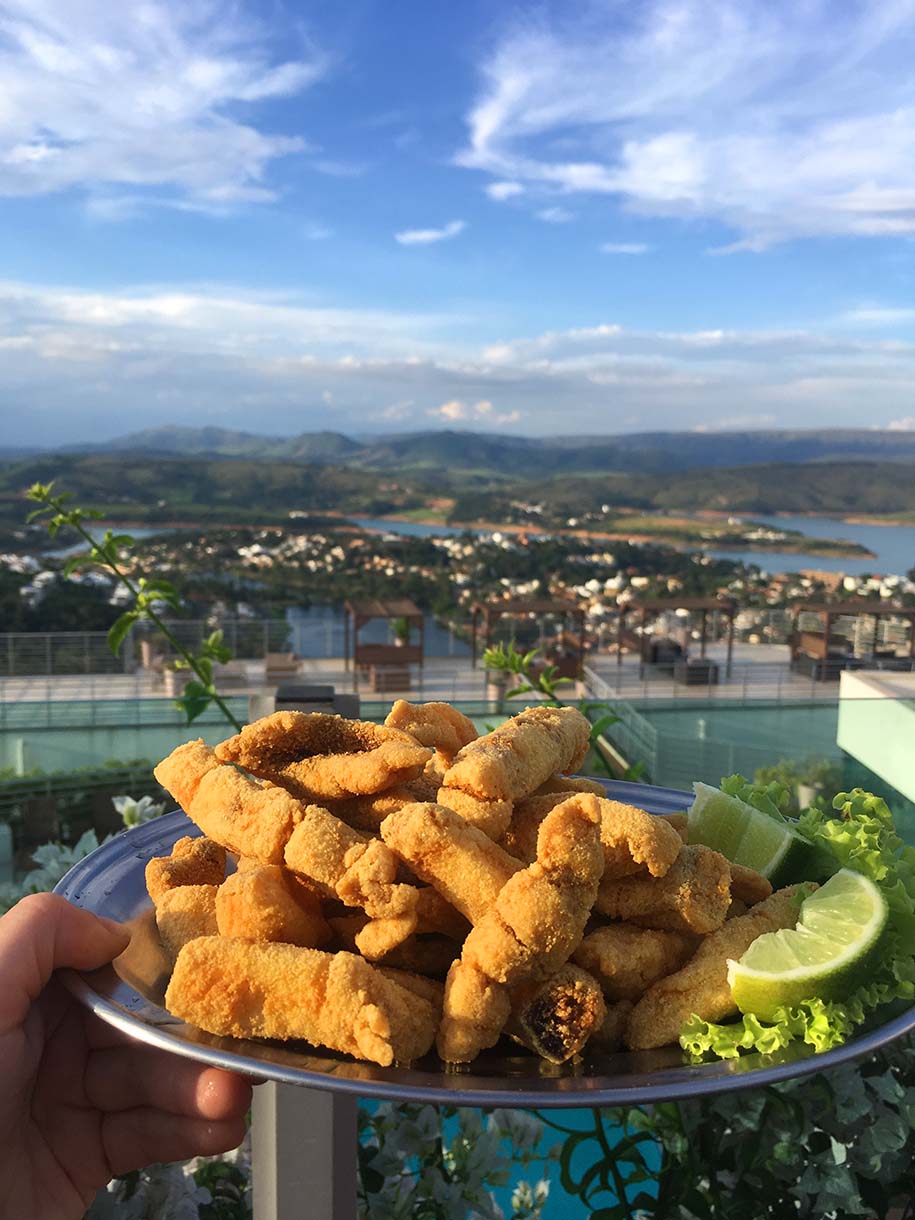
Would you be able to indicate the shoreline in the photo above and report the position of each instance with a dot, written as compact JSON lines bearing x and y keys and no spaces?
{"x":782,"y":548}
{"x":342,"y":522}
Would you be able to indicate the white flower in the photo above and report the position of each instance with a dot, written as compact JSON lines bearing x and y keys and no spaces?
{"x":133,"y":812}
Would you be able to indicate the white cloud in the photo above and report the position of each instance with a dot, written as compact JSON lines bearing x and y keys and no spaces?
{"x":455,"y":411}
{"x":907,"y":424}
{"x":425,"y":237}
{"x":555,"y":216}
{"x":503,"y":190}
{"x":777,"y":120}
{"x":624,"y":247}
{"x":140,"y":101}
{"x":82,"y":364}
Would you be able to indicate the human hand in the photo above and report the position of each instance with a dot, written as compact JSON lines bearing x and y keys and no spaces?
{"x":80,"y":1102}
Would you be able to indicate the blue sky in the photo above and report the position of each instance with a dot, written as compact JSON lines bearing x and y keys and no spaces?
{"x":372,"y":216}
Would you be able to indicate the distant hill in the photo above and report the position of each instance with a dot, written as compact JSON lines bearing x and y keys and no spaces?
{"x":517,"y":457}
{"x":134,"y":487}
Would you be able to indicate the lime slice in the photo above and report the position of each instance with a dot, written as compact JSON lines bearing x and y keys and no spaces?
{"x":826,"y":956}
{"x":746,"y":836}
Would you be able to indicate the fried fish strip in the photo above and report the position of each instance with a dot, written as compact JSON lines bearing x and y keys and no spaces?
{"x":514,"y":760}
{"x":459,"y":860}
{"x":492,"y":817}
{"x":610,"y":1034}
{"x":193,"y":861}
{"x":243,"y":989}
{"x":236,"y":811}
{"x":557,"y":1017}
{"x":438,"y":725}
{"x":569,"y":784}
{"x":316,"y":756}
{"x":633,"y":841}
{"x":183,"y":914}
{"x":626,"y":959}
{"x":181,"y":772}
{"x":693,"y":896}
{"x":701,"y":987}
{"x":475,"y":1010}
{"x":368,"y":812}
{"x":267,"y":904}
{"x":748,"y":885}
{"x":536,"y":922}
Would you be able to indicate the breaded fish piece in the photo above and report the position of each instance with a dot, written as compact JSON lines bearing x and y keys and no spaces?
{"x":556,"y":1018}
{"x":634,"y":841}
{"x":244,"y":989}
{"x":193,"y":861}
{"x":181,"y":772}
{"x":514,"y":760}
{"x":569,"y":784}
{"x":316,"y":756}
{"x":459,"y":860}
{"x":492,"y":817}
{"x":609,"y":1036}
{"x":693,"y":896}
{"x":369,"y":811}
{"x":748,"y":885}
{"x":537,"y":921}
{"x":236,"y":811}
{"x":680,"y":823}
{"x":626,"y":959}
{"x":267,"y":904}
{"x":701,"y":987}
{"x":438,"y":725}
{"x":183,"y":914}
{"x":474,"y":1013}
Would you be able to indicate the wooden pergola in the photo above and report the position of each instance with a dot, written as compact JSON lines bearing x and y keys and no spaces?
{"x":650,"y":608}
{"x":355,"y":617}
{"x":491,"y":612}
{"x":816,"y":645}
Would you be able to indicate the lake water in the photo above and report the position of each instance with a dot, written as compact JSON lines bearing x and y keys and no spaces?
{"x":893,"y":545}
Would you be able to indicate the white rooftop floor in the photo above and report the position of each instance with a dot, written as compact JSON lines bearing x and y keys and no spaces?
{"x":758,"y":672}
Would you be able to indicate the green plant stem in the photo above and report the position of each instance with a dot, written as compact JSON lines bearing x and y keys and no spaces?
{"x":618,"y":1182}
{"x":156,"y":621}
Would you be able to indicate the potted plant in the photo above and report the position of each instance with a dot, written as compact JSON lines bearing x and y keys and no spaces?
{"x":174,"y":678}
{"x":400,"y":629}
{"x":819,"y":777}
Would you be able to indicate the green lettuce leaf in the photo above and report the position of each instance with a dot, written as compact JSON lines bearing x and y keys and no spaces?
{"x":860,"y":835}
{"x":769,"y":799}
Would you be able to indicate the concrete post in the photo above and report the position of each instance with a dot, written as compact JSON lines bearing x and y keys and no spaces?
{"x":303,"y":1154}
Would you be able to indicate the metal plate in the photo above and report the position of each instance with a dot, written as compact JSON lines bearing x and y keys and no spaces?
{"x":129,"y":994}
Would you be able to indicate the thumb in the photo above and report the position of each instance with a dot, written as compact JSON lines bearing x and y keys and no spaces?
{"x":42,"y":933}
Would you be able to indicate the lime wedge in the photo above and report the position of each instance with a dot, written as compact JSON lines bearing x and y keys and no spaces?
{"x":826,"y":956}
{"x":746,"y":836}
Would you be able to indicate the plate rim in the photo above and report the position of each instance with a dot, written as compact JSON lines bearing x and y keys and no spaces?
{"x":670,"y":1083}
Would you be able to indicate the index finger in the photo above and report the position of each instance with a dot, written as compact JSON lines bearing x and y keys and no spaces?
{"x":39,"y":935}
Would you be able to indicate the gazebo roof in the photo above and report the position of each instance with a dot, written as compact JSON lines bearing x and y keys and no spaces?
{"x":400,"y":607}
{"x":659,"y":604}
{"x":529,"y":605}
{"x":853,"y":607}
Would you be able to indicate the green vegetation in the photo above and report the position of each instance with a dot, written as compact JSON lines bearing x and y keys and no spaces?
{"x":149,"y":599}
{"x":197,"y":490}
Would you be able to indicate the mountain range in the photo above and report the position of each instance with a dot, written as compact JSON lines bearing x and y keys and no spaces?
{"x":515,"y":456}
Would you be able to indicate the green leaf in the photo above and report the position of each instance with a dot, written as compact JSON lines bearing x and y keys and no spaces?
{"x":204,"y":667}
{"x":74,"y":562}
{"x":518,"y":690}
{"x":600,"y":726}
{"x":118,"y":631}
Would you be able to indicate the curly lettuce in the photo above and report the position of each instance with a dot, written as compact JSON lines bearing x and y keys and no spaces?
{"x":859,"y":834}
